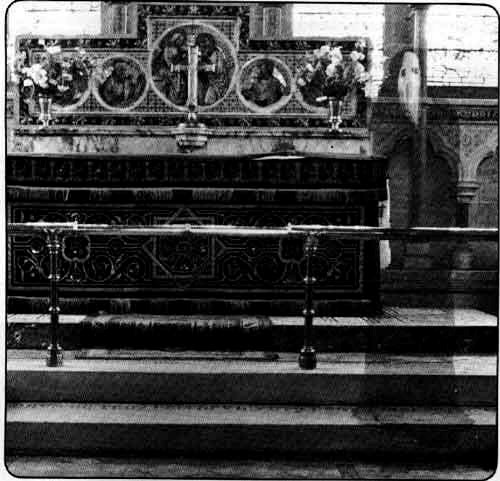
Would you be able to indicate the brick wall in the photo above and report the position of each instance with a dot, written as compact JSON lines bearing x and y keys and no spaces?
{"x":457,"y":54}
{"x":463,"y":45}
{"x":51,"y":18}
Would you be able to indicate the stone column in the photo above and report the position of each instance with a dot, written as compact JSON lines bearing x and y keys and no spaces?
{"x":466,"y":191}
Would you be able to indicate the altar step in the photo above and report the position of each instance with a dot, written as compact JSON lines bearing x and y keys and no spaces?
{"x":182,"y":467}
{"x":382,"y":432}
{"x":397,"y":330}
{"x":253,"y":378}
{"x":354,"y":405}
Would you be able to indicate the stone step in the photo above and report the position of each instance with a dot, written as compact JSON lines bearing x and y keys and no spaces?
{"x":397,"y":330}
{"x":253,"y":378}
{"x":182,"y":467}
{"x":385,"y":432}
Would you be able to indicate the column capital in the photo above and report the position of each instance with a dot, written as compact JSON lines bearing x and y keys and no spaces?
{"x":466,"y":191}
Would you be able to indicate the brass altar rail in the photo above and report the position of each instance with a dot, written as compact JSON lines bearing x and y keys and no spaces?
{"x":310,"y":234}
{"x":358,"y":232}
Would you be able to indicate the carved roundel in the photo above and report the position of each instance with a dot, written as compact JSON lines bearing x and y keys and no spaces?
{"x":169,"y":64}
{"x":265,"y":84}
{"x":78,"y":92}
{"x":75,"y":91}
{"x":121,"y":84}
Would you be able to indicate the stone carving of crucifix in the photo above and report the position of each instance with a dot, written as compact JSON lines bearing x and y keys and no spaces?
{"x":193,"y":68}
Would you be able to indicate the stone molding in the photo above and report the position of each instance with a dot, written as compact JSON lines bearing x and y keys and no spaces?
{"x":271,"y":170}
{"x":464,"y":131}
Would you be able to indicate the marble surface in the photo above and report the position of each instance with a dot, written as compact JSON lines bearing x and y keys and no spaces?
{"x":157,"y":140}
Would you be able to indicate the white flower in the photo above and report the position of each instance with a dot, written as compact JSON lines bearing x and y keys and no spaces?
{"x":27,"y":82}
{"x":301,"y":82}
{"x":309,"y":67}
{"x":335,"y":61}
{"x":336,"y":53}
{"x":331,"y":69}
{"x":355,"y":56}
{"x":359,"y":70}
{"x":54,"y":49}
{"x":324,"y":50}
{"x":316,"y":53}
{"x":39,"y":75}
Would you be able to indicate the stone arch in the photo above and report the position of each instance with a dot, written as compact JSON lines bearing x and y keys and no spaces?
{"x":484,"y":205}
{"x":483,"y":210}
{"x":475,"y":145}
{"x":443,"y":147}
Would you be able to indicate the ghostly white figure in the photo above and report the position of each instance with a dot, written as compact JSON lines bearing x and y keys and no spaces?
{"x":409,"y":85}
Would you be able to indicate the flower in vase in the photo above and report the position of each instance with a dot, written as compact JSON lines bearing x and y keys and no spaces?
{"x":39,"y":75}
{"x":326,"y":72}
{"x":356,"y":56}
{"x":62,"y":75}
{"x":331,"y":70}
{"x":336,"y":55}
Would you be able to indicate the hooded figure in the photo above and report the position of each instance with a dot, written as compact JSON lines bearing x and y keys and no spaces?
{"x":409,"y":85}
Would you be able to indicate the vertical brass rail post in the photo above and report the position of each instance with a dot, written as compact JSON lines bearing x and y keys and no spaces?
{"x":307,"y":357}
{"x":55,"y":352}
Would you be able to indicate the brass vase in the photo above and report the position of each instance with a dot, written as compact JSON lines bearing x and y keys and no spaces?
{"x":45,"y":102}
{"x":335,"y":114}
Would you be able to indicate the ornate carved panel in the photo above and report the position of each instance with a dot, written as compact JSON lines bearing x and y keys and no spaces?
{"x":272,"y":171}
{"x":222,"y":33}
{"x":211,"y":264}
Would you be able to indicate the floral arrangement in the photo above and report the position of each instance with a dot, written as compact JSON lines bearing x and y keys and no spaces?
{"x":62,"y":76}
{"x":326,"y":73}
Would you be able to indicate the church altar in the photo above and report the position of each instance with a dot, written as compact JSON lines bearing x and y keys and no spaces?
{"x":194,"y":116}
{"x":219,"y":274}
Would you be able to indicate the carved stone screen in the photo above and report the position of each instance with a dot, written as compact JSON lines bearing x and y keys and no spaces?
{"x":142,"y":73}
